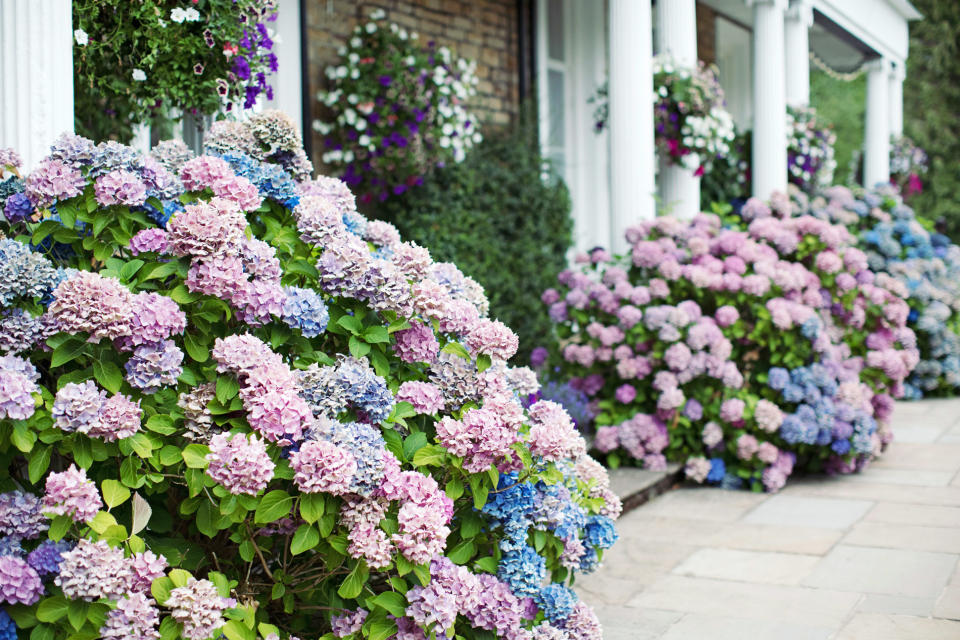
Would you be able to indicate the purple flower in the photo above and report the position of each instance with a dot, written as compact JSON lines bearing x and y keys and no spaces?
{"x":19,"y":582}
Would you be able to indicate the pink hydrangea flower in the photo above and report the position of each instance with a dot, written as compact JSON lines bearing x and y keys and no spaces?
{"x":493,"y":338}
{"x":426,"y":398}
{"x":240,"y":463}
{"x":198,"y":607}
{"x":321,"y":466}
{"x":149,"y":240}
{"x":70,"y":493}
{"x":120,"y":187}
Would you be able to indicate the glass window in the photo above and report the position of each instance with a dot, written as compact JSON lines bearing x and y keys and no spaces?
{"x":555,"y":29}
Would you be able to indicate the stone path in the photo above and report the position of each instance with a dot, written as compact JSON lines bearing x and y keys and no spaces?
{"x":872,"y":556}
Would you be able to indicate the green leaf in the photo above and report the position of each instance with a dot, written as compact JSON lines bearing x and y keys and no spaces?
{"x":195,"y":455}
{"x":23,"y":438}
{"x":52,"y":609}
{"x":130,"y":269}
{"x":102,"y":521}
{"x":77,"y":614}
{"x":413,"y":443}
{"x":455,"y":348}
{"x":432,"y":455}
{"x":382,"y":629}
{"x":169,"y":629}
{"x":454,"y":488}
{"x":351,"y":324}
{"x":392,"y":601}
{"x":59,"y":527}
{"x":273,"y":506}
{"x":179,"y":577}
{"x":162,"y":424}
{"x":479,"y":489}
{"x":487,"y":565}
{"x":39,"y":463}
{"x":158,"y":270}
{"x":305,"y":538}
{"x":236,"y":630}
{"x":422,"y":571}
{"x":67,"y":351}
{"x":227,"y":388}
{"x":353,"y":584}
{"x":461,"y":553}
{"x":311,"y":506}
{"x":483,"y":362}
{"x":195,"y":349}
{"x":358,"y":348}
{"x":114,"y":493}
{"x":42,"y":632}
{"x":108,"y":375}
{"x":376,"y":334}
{"x":141,"y":444}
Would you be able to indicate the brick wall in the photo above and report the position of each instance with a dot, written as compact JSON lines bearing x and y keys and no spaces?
{"x":482,"y":30}
{"x":706,"y":33}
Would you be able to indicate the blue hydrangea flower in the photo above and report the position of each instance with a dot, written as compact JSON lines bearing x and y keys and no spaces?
{"x":556,"y":601}
{"x":778,"y":378}
{"x":23,"y":273}
{"x":601,"y":532}
{"x":717,"y":470}
{"x":841,"y":447}
{"x":18,"y":208}
{"x":8,"y":630}
{"x":523,"y":570}
{"x":304,"y":309}
{"x":10,"y":546}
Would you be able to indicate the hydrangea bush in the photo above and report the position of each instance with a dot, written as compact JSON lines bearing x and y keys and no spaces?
{"x":232,"y":409}
{"x":926,"y":263}
{"x":908,"y":162}
{"x":398,"y":109}
{"x":745,"y":354}
{"x":810,"y":150}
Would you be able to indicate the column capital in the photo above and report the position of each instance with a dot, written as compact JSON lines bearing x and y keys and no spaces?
{"x":801,"y":11}
{"x":776,"y":4}
{"x":898,"y":71}
{"x":882,"y":65}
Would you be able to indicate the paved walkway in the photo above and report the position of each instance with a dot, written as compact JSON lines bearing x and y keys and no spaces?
{"x":872,"y":556}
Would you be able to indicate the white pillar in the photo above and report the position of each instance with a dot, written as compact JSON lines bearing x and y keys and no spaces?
{"x":677,"y":31}
{"x":799,"y":19}
{"x":677,"y":35}
{"x":769,"y":98}
{"x":630,"y":116}
{"x":36,"y":75}
{"x":288,"y":81}
{"x":897,"y":76}
{"x":876,"y":144}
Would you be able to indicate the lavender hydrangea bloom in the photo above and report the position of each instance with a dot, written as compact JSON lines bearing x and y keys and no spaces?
{"x":10,"y":546}
{"x":135,"y":618}
{"x":71,"y":493}
{"x":17,"y":208}
{"x":21,"y":515}
{"x":21,"y":331}
{"x":77,"y":406}
{"x":93,"y":570}
{"x":198,"y":608}
{"x":19,"y":583}
{"x":23,"y":273}
{"x":154,"y":365}
{"x":17,"y":386}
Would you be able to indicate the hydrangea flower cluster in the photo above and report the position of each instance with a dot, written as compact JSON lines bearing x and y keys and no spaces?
{"x":676,"y":342}
{"x":926,"y":264}
{"x":907,"y":163}
{"x":218,"y":397}
{"x":400,"y":109}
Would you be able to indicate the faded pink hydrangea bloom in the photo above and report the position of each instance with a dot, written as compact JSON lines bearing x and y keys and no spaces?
{"x":240,"y":463}
{"x":71,"y":493}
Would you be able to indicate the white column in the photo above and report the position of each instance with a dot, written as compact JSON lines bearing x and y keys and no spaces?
{"x":677,"y":35}
{"x":876,"y":144}
{"x":677,"y":31}
{"x":799,"y":19}
{"x":897,"y":76}
{"x":288,"y":81}
{"x":630,"y":116}
{"x":769,"y":98}
{"x":36,"y":75}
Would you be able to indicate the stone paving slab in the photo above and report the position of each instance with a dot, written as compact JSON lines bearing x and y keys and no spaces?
{"x":873,"y":556}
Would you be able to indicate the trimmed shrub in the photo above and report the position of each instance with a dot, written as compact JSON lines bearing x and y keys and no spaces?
{"x":501,"y":221}
{"x":230,"y":404}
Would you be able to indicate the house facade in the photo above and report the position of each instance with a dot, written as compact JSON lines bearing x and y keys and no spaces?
{"x":551,"y":56}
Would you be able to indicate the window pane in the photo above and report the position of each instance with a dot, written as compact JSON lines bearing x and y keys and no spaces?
{"x":555,"y":29}
{"x":557,"y":120}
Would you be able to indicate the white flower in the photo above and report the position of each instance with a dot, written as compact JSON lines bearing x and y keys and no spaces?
{"x":139,"y":75}
{"x":192,"y":15}
{"x":363,"y":140}
{"x":444,"y":142}
{"x":403,"y":34}
{"x":341,"y":71}
{"x":355,"y":42}
{"x":178,"y":15}
{"x":354,"y":74}
{"x":342,"y":51}
{"x":378,"y":14}
{"x":81,"y":37}
{"x":371,"y":27}
{"x":361,"y":125}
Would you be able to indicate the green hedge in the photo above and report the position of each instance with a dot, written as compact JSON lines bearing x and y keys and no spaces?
{"x":502,"y":219}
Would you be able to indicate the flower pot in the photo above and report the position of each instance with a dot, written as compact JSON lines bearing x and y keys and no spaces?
{"x":679,"y":189}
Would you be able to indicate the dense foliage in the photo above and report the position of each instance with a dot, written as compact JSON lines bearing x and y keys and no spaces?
{"x":908,"y":163}
{"x":842,"y":104}
{"x":931,"y":97}
{"x":231,"y":404}
{"x":497,"y":218}
{"x":136,"y":60}
{"x":398,"y":110}
{"x":745,"y":353}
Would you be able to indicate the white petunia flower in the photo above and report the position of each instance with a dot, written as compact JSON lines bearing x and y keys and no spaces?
{"x":178,"y":15}
{"x":139,"y":75}
{"x":81,"y":37}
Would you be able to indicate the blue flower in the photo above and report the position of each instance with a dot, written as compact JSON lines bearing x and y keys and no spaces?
{"x":523,"y":570}
{"x":10,"y":546}
{"x":8,"y":630}
{"x":303,"y":309}
{"x":18,"y":208}
{"x":600,"y":532}
{"x":778,"y":378}
{"x":46,"y":558}
{"x":717,"y":470}
{"x":556,"y":601}
{"x":841,"y":447}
